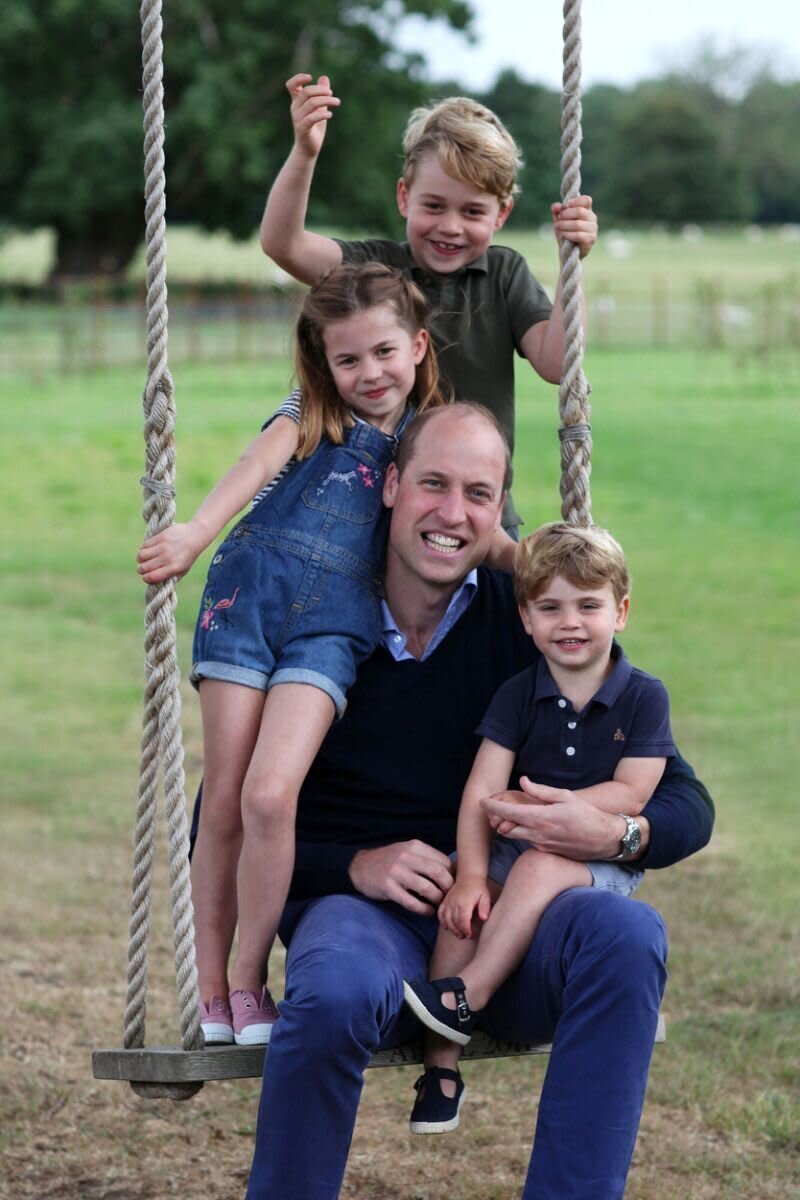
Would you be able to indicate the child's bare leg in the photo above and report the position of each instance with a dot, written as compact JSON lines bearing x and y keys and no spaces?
{"x":533,"y":882}
{"x":295,"y":719}
{"x":231,"y":719}
{"x":450,"y":956}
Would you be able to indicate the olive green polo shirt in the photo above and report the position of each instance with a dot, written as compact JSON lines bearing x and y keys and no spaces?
{"x":479,"y":316}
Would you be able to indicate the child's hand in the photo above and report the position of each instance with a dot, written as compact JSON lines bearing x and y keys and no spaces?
{"x":576,"y":222}
{"x":467,"y":899}
{"x":310,"y":111}
{"x":169,"y":554}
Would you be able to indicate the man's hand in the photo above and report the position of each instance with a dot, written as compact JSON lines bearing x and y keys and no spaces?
{"x":467,"y":900}
{"x":310,"y":111}
{"x":576,"y":222}
{"x":557,"y":821}
{"x":409,"y":873}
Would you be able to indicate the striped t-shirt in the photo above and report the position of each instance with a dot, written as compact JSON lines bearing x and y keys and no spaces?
{"x":290,"y":408}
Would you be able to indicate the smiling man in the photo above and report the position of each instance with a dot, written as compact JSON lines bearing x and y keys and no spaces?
{"x":377,"y":822}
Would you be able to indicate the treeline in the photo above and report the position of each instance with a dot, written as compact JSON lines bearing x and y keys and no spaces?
{"x":671,"y":150}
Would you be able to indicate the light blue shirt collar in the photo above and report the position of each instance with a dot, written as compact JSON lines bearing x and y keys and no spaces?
{"x":395,"y":641}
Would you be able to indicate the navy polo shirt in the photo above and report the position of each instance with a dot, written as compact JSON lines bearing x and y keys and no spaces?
{"x":555,"y":745}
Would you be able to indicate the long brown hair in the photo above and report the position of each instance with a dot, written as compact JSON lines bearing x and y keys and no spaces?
{"x":342,"y":292}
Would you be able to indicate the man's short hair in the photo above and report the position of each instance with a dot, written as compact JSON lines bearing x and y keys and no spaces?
{"x":585,"y":557}
{"x":459,"y":408}
{"x":470,"y":142}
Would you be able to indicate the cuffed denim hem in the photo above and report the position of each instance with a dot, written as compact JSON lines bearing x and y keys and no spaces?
{"x":613,"y":877}
{"x":229,"y":673}
{"x":314,"y":679}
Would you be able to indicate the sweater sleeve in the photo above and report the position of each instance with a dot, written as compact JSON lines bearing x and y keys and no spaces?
{"x":681,"y":816}
{"x":322,"y":869}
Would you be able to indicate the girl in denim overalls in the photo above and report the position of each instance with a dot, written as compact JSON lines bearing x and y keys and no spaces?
{"x":291,"y":599}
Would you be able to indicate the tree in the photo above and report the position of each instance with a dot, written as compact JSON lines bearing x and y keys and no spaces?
{"x":669,"y":163}
{"x":532,"y":113}
{"x":767,"y":125}
{"x":71,"y":122}
{"x":604,"y":109}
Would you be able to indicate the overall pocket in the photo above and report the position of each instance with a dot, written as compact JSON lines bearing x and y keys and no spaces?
{"x":346,"y":485}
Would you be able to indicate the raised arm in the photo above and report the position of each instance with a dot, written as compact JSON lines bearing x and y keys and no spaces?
{"x":284,"y":236}
{"x":173,"y":551}
{"x":543,"y":344}
{"x":502,"y":550}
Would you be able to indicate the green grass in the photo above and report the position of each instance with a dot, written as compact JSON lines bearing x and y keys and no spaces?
{"x":695,"y":471}
{"x":733,"y":287}
{"x":735,"y":254}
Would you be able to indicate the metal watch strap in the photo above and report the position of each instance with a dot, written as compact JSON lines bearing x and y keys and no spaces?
{"x":633,"y":833}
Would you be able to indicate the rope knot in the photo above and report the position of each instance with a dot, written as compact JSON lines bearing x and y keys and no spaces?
{"x":580,"y":432}
{"x":157,"y":487}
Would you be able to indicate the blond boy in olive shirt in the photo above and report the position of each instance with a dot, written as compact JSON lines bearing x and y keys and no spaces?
{"x":457,"y":189}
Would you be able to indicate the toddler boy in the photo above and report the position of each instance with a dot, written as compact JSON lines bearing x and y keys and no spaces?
{"x":581,"y":718}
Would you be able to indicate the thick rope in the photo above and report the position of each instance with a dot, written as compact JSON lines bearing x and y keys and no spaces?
{"x":161,"y":745}
{"x":573,"y":397}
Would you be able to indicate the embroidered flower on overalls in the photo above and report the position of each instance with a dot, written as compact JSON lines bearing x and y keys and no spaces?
{"x":207,"y":620}
{"x":369,"y":476}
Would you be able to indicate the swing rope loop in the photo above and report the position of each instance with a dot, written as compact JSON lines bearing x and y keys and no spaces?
{"x":161,"y":746}
{"x":573,"y":397}
{"x":161,"y":752}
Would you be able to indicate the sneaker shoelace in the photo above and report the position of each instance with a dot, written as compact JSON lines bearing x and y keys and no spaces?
{"x":266,"y":1004}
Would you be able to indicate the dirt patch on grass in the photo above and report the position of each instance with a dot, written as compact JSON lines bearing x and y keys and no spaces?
{"x":66,"y":1136}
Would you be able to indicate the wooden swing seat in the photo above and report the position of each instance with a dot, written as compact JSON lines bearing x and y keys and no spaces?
{"x":158,"y":1066}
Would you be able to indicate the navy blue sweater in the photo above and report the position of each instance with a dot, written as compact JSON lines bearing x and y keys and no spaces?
{"x":394,"y":767}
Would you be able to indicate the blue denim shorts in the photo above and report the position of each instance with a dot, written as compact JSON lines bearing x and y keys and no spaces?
{"x":608,"y":876}
{"x":270,"y":616}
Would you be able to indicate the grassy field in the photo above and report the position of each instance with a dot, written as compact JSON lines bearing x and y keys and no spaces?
{"x":695,"y":471}
{"x":737,"y":287}
{"x":737,"y":254}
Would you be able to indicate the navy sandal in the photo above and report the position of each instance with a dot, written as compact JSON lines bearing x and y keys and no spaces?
{"x":433,"y":1111}
{"x":424,"y":998}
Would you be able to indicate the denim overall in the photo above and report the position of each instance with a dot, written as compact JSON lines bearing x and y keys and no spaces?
{"x":291,"y":594}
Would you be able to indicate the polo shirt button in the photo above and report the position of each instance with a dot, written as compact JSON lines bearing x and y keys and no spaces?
{"x":571,"y":724}
{"x":570,"y":751}
{"x":562,"y":704}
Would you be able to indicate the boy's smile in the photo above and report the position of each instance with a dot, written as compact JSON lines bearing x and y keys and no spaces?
{"x":449,"y":223}
{"x":574,"y":625}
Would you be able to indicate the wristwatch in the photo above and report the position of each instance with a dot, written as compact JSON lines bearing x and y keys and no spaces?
{"x":631,"y":842}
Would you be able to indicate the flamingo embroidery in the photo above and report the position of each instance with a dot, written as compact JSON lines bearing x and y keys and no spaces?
{"x":207,"y":619}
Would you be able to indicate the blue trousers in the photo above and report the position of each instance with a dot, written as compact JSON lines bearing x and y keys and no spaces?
{"x":592,"y":983}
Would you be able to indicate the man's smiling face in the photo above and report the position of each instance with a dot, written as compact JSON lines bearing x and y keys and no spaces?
{"x":446,"y":502}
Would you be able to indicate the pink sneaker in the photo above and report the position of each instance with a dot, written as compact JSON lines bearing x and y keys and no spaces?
{"x":216,"y":1021}
{"x":253,"y":1017}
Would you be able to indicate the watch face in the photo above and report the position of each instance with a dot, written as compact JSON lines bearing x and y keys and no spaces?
{"x":632,"y":840}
